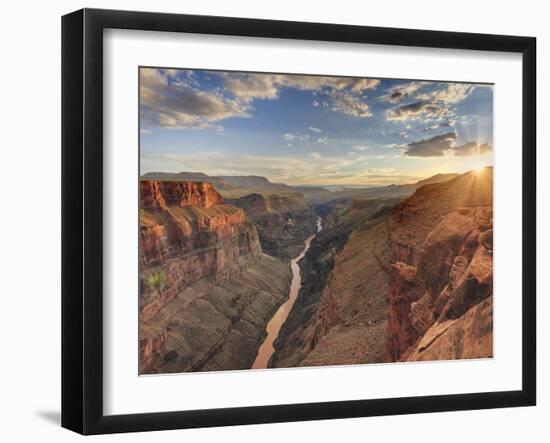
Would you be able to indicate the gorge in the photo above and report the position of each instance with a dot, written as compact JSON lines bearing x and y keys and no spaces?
{"x":235,"y":272}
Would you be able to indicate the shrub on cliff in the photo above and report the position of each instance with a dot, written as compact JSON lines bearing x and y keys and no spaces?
{"x":155,"y":279}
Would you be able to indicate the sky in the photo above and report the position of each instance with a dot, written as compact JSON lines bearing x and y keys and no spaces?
{"x":312,"y":130}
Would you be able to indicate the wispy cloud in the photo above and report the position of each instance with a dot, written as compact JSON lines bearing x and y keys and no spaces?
{"x":322,"y":140}
{"x":350,"y":104}
{"x":449,"y":93}
{"x":289,"y":137}
{"x":315,"y":168}
{"x":314,"y":129}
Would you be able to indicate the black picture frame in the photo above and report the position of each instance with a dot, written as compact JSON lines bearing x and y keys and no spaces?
{"x":82,"y":219}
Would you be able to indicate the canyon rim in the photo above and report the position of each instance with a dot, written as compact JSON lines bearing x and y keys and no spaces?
{"x":302,"y":220}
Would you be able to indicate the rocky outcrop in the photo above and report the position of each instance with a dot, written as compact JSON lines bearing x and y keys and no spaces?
{"x":441,"y":285}
{"x":283,"y":221}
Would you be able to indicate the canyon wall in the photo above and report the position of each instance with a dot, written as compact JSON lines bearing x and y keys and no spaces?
{"x":194,"y":247}
{"x":441,"y":285}
{"x":283,"y":220}
{"x":188,"y":233}
{"x":341,"y":312}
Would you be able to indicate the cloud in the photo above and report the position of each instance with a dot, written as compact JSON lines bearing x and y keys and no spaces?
{"x":345,"y":92}
{"x":170,"y":103}
{"x":172,"y":98}
{"x":322,"y":140}
{"x":416,"y":110}
{"x":434,"y":147}
{"x":309,"y":169}
{"x":250,"y":86}
{"x":267,"y":86}
{"x":397,"y":93}
{"x":289,"y":137}
{"x":314,"y":129}
{"x":445,"y":144}
{"x":435,"y":104}
{"x":395,"y":145}
{"x":361,"y":148}
{"x":447,"y":124}
{"x":472,"y":148}
{"x":315,"y":83}
{"x":350,"y":104}
{"x":143,"y":131}
{"x":450,"y":93}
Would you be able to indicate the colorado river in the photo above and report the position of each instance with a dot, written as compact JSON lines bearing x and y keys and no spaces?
{"x":274,"y":326}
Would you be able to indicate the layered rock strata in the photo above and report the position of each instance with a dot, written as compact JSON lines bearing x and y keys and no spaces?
{"x":441,"y":286}
{"x":283,"y":221}
{"x":203,"y":278}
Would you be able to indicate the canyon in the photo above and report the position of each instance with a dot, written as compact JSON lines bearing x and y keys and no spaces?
{"x":398,"y":273}
{"x":284,"y":221}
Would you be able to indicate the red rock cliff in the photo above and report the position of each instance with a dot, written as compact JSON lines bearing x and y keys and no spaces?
{"x":187,"y":233}
{"x":441,"y":286}
{"x":157,"y":195}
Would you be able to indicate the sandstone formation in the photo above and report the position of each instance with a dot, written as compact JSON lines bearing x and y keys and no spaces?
{"x":191,"y":239}
{"x":188,"y":233}
{"x":441,"y":286}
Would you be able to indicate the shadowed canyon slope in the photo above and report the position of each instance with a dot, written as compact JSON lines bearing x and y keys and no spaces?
{"x":206,"y":288}
{"x":341,"y":313}
{"x":283,"y":220}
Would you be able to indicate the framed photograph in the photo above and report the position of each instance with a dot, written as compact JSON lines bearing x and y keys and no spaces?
{"x":269,"y":221}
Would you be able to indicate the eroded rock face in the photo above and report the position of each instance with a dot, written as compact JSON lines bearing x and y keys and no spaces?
{"x":206,"y":289}
{"x":157,"y":195}
{"x":187,"y":233}
{"x":283,"y":221}
{"x":441,"y":287}
{"x":215,"y":326}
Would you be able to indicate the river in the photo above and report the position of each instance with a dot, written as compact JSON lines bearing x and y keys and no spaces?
{"x":274,"y":325}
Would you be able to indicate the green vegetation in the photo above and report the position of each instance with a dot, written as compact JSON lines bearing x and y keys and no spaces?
{"x":155,"y":279}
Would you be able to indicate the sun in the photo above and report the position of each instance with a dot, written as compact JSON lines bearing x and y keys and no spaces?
{"x":479,"y":171}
